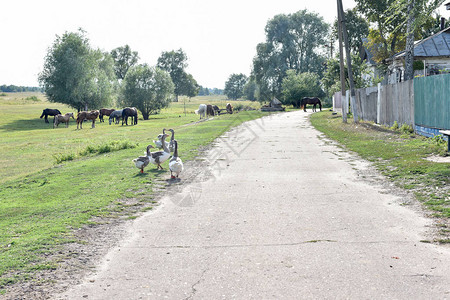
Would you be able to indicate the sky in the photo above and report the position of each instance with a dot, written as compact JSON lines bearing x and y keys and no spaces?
{"x":218,"y":37}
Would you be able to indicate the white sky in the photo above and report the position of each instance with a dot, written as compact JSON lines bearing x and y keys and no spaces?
{"x":219,"y":37}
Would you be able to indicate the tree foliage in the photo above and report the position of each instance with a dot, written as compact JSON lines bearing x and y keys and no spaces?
{"x":388,"y":34}
{"x":357,"y":29}
{"x":149,"y":89}
{"x":175,"y":63}
{"x":296,"y":86}
{"x":234,"y":86}
{"x":293,"y":41}
{"x":124,"y":59}
{"x":76,"y":75}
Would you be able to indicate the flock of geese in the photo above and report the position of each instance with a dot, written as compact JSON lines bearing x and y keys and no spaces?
{"x":159,"y":157}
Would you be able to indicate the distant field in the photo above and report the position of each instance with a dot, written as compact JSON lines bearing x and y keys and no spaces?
{"x":42,"y":201}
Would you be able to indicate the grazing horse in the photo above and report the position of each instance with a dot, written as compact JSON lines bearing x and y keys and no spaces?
{"x":105,"y":112}
{"x":209,"y":110}
{"x":63,"y":119}
{"x":87,"y":115}
{"x":201,"y":110}
{"x":116,"y":116}
{"x":216,"y":109}
{"x":229,"y":108}
{"x":314,"y":101}
{"x":49,"y":112}
{"x":129,"y":112}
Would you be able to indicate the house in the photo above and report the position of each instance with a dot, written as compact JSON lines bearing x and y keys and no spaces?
{"x":366,"y":55}
{"x":433,"y":52}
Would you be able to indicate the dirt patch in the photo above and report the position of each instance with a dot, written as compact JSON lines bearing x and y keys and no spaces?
{"x":439,"y":159}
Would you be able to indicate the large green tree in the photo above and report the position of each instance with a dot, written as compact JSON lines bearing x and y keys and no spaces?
{"x":175,"y":63}
{"x":124,"y":59}
{"x":149,"y":89}
{"x":234,"y":86}
{"x":357,"y":29}
{"x":76,"y":75}
{"x":296,"y":86}
{"x":293,"y":41}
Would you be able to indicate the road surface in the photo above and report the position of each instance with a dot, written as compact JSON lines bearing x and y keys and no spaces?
{"x":282,"y":214}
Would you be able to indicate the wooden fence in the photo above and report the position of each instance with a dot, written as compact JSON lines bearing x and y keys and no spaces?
{"x":387,"y":104}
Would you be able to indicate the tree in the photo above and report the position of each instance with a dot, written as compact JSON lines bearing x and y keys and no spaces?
{"x":296,"y":86}
{"x":389,"y":17}
{"x":357,"y":28}
{"x":293,"y":41}
{"x":251,"y":89}
{"x":418,"y":11}
{"x":76,"y":75}
{"x":175,"y":63}
{"x":189,"y":85}
{"x":234,"y":86}
{"x":149,"y":89}
{"x":124,"y":59}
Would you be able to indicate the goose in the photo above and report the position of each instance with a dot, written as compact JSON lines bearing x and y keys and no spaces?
{"x":158,"y":142}
{"x":142,"y":161}
{"x":175,"y":163}
{"x":171,"y":143}
{"x":158,"y":157}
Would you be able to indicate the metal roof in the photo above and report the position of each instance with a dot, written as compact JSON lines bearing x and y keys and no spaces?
{"x":437,"y":45}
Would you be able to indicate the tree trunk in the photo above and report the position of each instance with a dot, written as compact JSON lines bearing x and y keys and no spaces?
{"x":409,"y":53}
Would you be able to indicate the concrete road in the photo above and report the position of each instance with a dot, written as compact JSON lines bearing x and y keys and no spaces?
{"x":283,"y":214}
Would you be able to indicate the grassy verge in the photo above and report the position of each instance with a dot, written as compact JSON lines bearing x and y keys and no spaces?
{"x":399,"y":155}
{"x":58,"y":180}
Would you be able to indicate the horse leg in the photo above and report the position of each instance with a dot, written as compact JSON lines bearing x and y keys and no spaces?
{"x":93,"y":123}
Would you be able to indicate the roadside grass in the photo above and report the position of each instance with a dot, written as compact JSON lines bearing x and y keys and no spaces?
{"x":400,"y":156}
{"x":58,"y":180}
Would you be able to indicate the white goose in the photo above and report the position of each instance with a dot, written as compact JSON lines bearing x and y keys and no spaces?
{"x":158,"y":157}
{"x":175,"y":163}
{"x":158,"y":142}
{"x":142,"y":161}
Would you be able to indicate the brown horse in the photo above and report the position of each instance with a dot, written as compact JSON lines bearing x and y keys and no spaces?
{"x":63,"y":119}
{"x":87,"y":115}
{"x":314,"y":101}
{"x":105,"y":112}
{"x":209,"y":110}
{"x":49,"y":112}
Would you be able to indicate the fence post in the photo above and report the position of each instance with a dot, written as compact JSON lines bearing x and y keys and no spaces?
{"x":379,"y":104}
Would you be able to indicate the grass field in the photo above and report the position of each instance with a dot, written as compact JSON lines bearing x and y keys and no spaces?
{"x":56,"y":180}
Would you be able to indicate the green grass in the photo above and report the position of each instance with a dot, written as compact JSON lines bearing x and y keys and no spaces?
{"x":399,"y":155}
{"x":57,"y":180}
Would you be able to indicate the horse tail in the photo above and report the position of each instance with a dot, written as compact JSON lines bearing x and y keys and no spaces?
{"x":320,"y":104}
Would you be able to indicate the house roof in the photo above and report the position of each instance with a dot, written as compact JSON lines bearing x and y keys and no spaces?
{"x":366,"y":53}
{"x":437,"y":45}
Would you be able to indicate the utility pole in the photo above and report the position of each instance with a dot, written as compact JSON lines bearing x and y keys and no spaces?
{"x":349,"y":62}
{"x":342,"y":70}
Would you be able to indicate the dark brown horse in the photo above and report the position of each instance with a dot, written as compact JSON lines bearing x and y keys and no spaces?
{"x":105,"y":112}
{"x":49,"y":112}
{"x":87,"y":115}
{"x":130,"y":112}
{"x":314,"y":101}
{"x":209,"y":110}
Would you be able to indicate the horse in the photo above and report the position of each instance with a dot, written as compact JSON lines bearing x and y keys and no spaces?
{"x":105,"y":112}
{"x":229,"y":108}
{"x":87,"y":115}
{"x":210,"y":110}
{"x":63,"y":119}
{"x":49,"y":112}
{"x":314,"y":101}
{"x":201,"y":110}
{"x":129,"y":112}
{"x":116,"y":116}
{"x":216,"y":109}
